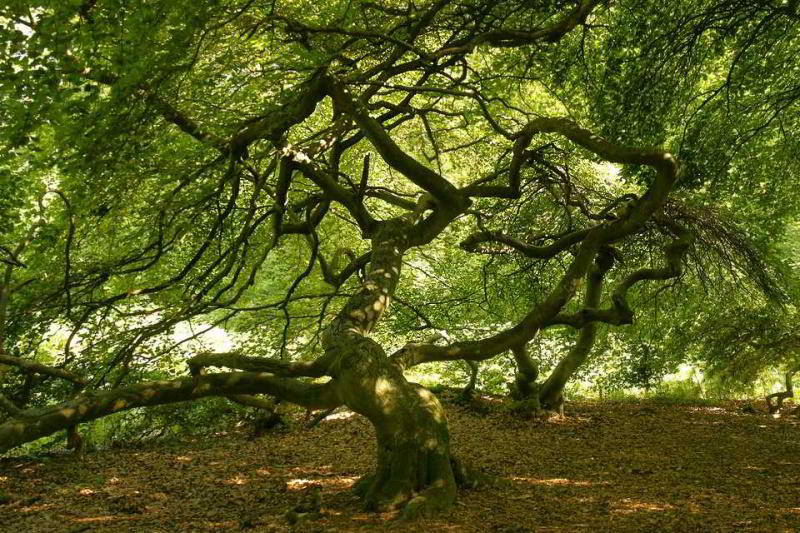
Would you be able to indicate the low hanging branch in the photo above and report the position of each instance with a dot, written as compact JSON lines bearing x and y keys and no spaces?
{"x":35,"y":423}
{"x":9,"y":406}
{"x":237,"y":361}
{"x":38,"y":368}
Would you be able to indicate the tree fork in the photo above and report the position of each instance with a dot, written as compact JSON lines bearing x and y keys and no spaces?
{"x":551,"y":393}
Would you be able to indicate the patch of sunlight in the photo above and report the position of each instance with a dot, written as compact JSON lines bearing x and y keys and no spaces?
{"x":383,"y":387}
{"x":236,"y":480}
{"x":37,"y":508}
{"x":213,"y":338}
{"x":3,"y":479}
{"x":113,"y":481}
{"x":299,"y":483}
{"x":339,"y":416}
{"x":558,"y":481}
{"x":628,"y":506}
{"x":86,"y":492}
{"x":333,"y":482}
{"x":184,"y":458}
{"x":793,"y":510}
{"x":104,"y":518}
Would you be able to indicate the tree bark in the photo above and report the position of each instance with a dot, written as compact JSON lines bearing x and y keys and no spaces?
{"x":775,"y":408}
{"x":36,"y":423}
{"x":551,"y":393}
{"x":413,"y":468}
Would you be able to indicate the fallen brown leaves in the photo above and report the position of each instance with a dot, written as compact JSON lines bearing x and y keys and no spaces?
{"x":621,"y":467}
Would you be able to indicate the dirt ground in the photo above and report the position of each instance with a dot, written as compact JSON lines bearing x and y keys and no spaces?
{"x":603,"y":467}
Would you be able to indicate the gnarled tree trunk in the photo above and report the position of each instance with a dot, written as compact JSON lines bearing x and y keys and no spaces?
{"x":413,"y":457}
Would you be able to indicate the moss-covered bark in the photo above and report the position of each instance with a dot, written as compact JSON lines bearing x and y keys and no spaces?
{"x":413,"y":451}
{"x":413,"y":469}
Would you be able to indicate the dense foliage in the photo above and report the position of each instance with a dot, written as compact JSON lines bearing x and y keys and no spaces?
{"x":173,"y":170}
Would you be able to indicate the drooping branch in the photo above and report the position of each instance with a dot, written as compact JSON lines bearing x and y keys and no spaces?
{"x":38,"y":368}
{"x":515,"y":38}
{"x":662,"y":161}
{"x":539,"y":317}
{"x":35,"y":423}
{"x":620,"y":312}
{"x":472,"y":243}
{"x":546,"y":313}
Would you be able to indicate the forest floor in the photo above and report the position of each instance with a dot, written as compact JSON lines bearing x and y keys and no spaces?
{"x":603,"y":467}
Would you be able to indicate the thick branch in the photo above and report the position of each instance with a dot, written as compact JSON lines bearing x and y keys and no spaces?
{"x":276,"y":123}
{"x":238,"y":361}
{"x":9,"y":406}
{"x":334,"y":191}
{"x":425,"y":178}
{"x":552,"y":388}
{"x":620,"y":312}
{"x":546,"y":312}
{"x":509,"y":38}
{"x":38,"y":368}
{"x":33,"y":424}
{"x":662,"y":161}
{"x":471,"y":243}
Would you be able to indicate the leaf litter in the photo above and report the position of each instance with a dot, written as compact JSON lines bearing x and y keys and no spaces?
{"x":604,"y":466}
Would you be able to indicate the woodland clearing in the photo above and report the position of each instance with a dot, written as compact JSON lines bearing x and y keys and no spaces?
{"x":627,"y":466}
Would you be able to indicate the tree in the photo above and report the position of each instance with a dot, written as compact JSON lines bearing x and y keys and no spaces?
{"x":209,"y":158}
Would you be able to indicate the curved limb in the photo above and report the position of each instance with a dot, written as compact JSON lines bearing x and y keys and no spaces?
{"x":35,"y":423}
{"x":775,"y":408}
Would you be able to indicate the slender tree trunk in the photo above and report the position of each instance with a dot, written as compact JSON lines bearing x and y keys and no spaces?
{"x":779,"y":397}
{"x":551,"y":393}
